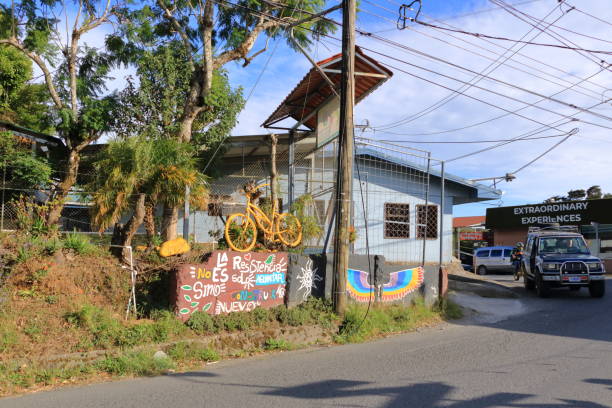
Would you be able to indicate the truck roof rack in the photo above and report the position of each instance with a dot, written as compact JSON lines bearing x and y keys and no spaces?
{"x":564,"y":228}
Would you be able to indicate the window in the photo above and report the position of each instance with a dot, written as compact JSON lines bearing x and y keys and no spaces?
{"x":427,"y":221}
{"x":507,"y":253}
{"x":397,"y":220}
{"x":483,"y":253}
{"x":563,"y":245}
{"x":496,"y":253}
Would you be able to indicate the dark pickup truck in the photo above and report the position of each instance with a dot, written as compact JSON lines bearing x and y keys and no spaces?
{"x":559,"y":257}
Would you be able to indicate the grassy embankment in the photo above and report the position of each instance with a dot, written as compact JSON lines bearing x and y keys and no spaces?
{"x":62,"y":306}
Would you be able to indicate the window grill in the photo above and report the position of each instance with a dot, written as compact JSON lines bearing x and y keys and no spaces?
{"x":397,"y":220}
{"x":427,"y":220}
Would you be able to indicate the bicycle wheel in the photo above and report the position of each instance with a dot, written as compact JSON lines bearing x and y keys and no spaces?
{"x":240,"y":232}
{"x":289,"y":229}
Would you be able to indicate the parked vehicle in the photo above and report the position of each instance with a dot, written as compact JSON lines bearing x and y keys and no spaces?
{"x":559,"y":257}
{"x":493,"y":259}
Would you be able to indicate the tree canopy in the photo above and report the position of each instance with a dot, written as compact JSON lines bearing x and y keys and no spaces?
{"x":21,"y":102}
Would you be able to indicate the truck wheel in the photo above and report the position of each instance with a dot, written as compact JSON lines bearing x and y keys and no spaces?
{"x":597,"y":289}
{"x":542,"y":289}
{"x":528,"y":283}
{"x":482,"y":270}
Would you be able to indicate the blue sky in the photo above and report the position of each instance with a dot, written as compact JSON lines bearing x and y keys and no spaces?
{"x":579,"y":162}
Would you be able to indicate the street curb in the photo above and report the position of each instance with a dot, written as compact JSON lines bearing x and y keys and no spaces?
{"x":480,"y":287}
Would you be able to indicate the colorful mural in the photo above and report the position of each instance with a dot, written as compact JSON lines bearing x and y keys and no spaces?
{"x":400,"y":284}
{"x":231,"y":282}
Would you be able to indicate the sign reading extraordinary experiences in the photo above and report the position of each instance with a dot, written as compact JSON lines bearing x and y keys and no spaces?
{"x":563,"y":213}
{"x":230,"y":282}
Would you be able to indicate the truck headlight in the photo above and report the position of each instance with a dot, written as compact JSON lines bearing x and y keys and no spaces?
{"x":550,"y":266}
{"x":594,"y":266}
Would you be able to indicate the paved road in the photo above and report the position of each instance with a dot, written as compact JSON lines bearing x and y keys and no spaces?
{"x":557,"y":355}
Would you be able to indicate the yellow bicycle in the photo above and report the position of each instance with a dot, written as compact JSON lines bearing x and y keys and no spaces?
{"x":241,"y":229}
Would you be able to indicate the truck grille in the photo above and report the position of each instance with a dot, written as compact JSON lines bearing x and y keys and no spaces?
{"x":574,"y":268}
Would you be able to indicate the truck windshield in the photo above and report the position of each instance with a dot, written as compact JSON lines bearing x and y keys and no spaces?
{"x":563,"y":245}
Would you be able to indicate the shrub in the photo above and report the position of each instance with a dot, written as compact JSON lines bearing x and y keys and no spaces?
{"x":277,"y":344}
{"x":360,"y":324}
{"x":202,"y":323}
{"x":136,"y":363}
{"x":52,"y":246}
{"x":234,"y":321}
{"x":261,"y":316}
{"x":79,"y":243}
{"x":192,"y":351}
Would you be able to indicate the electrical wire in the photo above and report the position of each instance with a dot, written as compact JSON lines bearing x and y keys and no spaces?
{"x":493,"y":37}
{"x":478,"y":87}
{"x":543,"y":154}
{"x":499,"y":61}
{"x":507,"y":64}
{"x":551,"y":33}
{"x":550,"y":98}
{"x":543,"y":63}
{"x":469,"y":141}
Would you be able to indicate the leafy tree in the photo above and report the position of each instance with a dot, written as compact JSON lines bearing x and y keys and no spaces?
{"x":74,"y":75}
{"x":591,"y":193}
{"x":211,"y":35}
{"x":576,"y":194}
{"x":22,"y":103}
{"x":20,"y":169}
{"x":154,"y":108}
{"x":594,"y":192}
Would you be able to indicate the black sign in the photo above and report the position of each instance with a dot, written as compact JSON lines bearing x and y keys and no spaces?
{"x":564,"y":213}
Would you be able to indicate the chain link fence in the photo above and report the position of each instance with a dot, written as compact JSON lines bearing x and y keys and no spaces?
{"x":396,"y":196}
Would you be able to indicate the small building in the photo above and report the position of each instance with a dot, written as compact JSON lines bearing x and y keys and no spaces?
{"x":391,"y":192}
{"x":509,"y":225}
{"x":397,"y":206}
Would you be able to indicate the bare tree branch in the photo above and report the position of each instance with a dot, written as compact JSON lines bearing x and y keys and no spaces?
{"x":177,"y":26}
{"x":243,"y":49}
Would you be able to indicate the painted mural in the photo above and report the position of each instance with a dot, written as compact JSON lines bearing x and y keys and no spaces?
{"x":400,"y":284}
{"x":231,"y":282}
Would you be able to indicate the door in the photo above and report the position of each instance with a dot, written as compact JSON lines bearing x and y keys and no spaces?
{"x":532,"y":258}
{"x":495,"y":259}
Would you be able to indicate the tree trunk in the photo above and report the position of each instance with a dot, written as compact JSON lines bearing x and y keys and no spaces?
{"x":123,"y":234}
{"x":149,"y":222}
{"x":273,"y":186}
{"x":169,"y":222}
{"x":70,"y":177}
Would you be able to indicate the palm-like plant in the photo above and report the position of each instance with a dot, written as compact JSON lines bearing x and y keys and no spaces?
{"x":135,"y":174}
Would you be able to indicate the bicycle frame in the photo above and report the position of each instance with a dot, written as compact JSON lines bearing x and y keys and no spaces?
{"x":260,"y":217}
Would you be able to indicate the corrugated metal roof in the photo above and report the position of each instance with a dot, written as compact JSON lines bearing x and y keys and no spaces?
{"x":313,"y":90}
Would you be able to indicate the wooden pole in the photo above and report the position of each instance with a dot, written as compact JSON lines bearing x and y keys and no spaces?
{"x":273,"y":183}
{"x":345,"y":163}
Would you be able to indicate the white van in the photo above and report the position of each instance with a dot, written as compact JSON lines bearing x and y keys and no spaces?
{"x":493,"y":259}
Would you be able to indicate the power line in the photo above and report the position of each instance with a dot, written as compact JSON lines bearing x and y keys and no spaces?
{"x":543,"y":154}
{"x":513,"y":11}
{"x":493,"y":37}
{"x":467,"y":141}
{"x":507,"y":64}
{"x":490,"y":68}
{"x":550,"y":98}
{"x":499,"y":46}
{"x":478,"y":87}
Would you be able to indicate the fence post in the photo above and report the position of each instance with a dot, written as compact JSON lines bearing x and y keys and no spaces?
{"x":3,"y":189}
{"x":426,"y":207}
{"x":443,"y":193}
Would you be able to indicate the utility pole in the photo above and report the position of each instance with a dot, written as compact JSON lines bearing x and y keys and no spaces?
{"x":344,"y":179}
